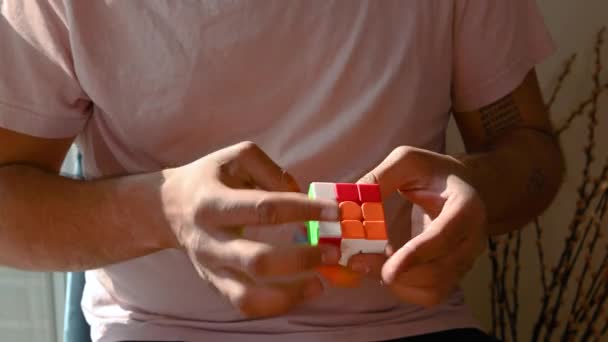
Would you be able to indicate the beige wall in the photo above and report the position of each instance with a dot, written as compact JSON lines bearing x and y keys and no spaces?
{"x":573,"y":25}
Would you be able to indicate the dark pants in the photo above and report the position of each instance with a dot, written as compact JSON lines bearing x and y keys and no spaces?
{"x":456,"y":335}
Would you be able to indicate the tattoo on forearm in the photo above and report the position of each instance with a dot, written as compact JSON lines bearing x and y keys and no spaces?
{"x":500,"y":116}
{"x":536,"y":182}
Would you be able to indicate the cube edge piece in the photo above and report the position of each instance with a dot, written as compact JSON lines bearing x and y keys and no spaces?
{"x":329,"y":229}
{"x":350,"y":247}
{"x":354,"y":197}
{"x":334,"y":241}
{"x":364,"y":195}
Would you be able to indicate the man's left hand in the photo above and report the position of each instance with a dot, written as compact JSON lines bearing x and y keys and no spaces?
{"x":429,"y":266}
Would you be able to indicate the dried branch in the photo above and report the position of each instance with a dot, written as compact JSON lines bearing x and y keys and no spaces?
{"x":590,"y":331}
{"x":514,"y":314}
{"x":573,"y":115}
{"x":541,"y":255}
{"x":508,"y":306}
{"x":581,"y":241}
{"x":560,"y":80}
{"x":493,"y":283}
{"x":582,"y":195}
{"x":593,"y":224}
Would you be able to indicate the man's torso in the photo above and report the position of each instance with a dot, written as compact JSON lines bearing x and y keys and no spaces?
{"x":326,"y":88}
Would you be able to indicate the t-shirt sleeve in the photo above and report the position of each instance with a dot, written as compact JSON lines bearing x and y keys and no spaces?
{"x":39,"y":91}
{"x":496,"y":43}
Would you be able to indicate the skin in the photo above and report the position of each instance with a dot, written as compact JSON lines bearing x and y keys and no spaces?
{"x":510,"y":174}
{"x":51,"y":223}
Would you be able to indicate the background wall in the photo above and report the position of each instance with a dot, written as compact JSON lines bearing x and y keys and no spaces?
{"x":574,"y":25}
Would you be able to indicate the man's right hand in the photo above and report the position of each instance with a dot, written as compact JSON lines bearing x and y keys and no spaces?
{"x":209,"y":201}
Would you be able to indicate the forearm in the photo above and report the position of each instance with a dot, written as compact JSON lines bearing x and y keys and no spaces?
{"x":52,"y":223}
{"x":517,"y":178}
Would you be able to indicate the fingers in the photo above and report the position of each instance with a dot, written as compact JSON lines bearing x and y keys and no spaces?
{"x":426,"y":297}
{"x":430,"y":283}
{"x":221,"y":248}
{"x":236,"y":267}
{"x":251,"y":189}
{"x":251,"y":207}
{"x":430,"y":275}
{"x":396,"y":171}
{"x":260,"y":260}
{"x":367,"y":264}
{"x":439,"y":239}
{"x":256,"y":300}
{"x":252,"y":166}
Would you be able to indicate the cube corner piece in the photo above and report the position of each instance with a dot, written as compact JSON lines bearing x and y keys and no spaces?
{"x":318,"y":190}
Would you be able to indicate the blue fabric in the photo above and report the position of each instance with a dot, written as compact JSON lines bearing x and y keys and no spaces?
{"x":75,"y":327}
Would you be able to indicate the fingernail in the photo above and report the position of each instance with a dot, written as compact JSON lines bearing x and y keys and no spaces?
{"x":313,"y":289}
{"x":330,"y":213}
{"x":360,"y":267}
{"x":330,"y":256}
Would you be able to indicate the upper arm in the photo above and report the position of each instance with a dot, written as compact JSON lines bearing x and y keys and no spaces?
{"x":496,"y":45}
{"x":490,"y":125}
{"x":46,"y":154}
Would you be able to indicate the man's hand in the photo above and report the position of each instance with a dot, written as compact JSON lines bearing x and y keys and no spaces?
{"x":429,"y":266}
{"x":208,"y":202}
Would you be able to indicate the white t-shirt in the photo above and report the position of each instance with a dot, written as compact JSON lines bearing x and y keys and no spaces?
{"x":326,"y":88}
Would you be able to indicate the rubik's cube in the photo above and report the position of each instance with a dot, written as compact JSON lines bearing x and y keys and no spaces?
{"x":362,"y":227}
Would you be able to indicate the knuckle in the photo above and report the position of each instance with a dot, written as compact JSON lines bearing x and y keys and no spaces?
{"x":228,"y":168}
{"x":248,"y":147}
{"x":259,"y":263}
{"x":208,"y":208}
{"x":403,"y":151}
{"x":267,"y":211}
